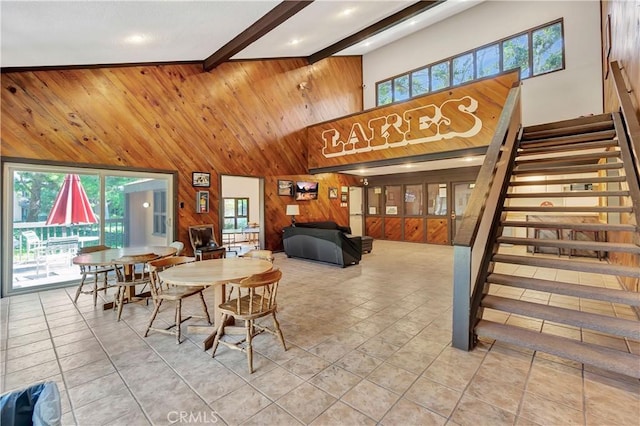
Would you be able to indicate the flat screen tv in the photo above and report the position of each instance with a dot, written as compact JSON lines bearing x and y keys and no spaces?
{"x":306,"y":190}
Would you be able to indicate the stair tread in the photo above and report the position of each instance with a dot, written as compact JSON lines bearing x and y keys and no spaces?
{"x":568,"y":209}
{"x":567,"y":289}
{"x":597,"y":322}
{"x":572,"y":225}
{"x":585,"y":353}
{"x":605,"y":143}
{"x":568,"y":194}
{"x":599,"y":179}
{"x":588,"y":157}
{"x":574,"y":244}
{"x":566,"y":139}
{"x":563,"y":169}
{"x":569,"y":123}
{"x":568,"y":264}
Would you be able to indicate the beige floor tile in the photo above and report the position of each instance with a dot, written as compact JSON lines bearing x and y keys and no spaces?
{"x":434,"y":396}
{"x":547,"y":412}
{"x":335,"y":380}
{"x":272,"y":415}
{"x":88,"y":372}
{"x":472,"y":411}
{"x":564,"y":387}
{"x":392,"y":378}
{"x":240,"y":405}
{"x":370,"y":399}
{"x":276,"y":383}
{"x":409,"y":413}
{"x":107,"y":409}
{"x":306,"y":402}
{"x":358,"y":363}
{"x":306,"y":365}
{"x":341,"y":414}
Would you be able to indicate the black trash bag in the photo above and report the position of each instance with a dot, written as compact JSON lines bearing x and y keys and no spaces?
{"x":37,"y":405}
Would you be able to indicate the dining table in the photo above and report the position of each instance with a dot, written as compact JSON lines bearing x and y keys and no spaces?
{"x":106,"y":258}
{"x":213,"y":273}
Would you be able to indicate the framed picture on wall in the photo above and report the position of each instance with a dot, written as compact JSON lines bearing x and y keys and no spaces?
{"x":333,"y":192}
{"x":285,"y":187}
{"x":201,"y":179}
{"x":202,"y":202}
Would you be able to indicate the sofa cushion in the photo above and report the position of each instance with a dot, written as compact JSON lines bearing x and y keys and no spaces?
{"x":324,"y":225}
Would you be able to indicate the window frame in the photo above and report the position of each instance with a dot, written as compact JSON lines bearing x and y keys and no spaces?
{"x":236,"y":202}
{"x":473,"y":52}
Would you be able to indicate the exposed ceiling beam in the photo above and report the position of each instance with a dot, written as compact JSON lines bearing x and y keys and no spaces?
{"x":262,"y":26}
{"x":385,"y":24}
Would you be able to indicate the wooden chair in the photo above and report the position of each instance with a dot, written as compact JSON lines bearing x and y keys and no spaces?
{"x":259,"y":254}
{"x":131,"y":271}
{"x":161,"y":293}
{"x":259,"y":301}
{"x":204,"y":244}
{"x":179,"y":246}
{"x":95,"y":271}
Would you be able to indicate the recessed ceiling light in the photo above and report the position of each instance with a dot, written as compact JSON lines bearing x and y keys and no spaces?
{"x":412,"y":22}
{"x":294,"y":42}
{"x":362,"y":170}
{"x":347,"y":12}
{"x":137,"y":39}
{"x":367,"y":44}
{"x":407,"y":166}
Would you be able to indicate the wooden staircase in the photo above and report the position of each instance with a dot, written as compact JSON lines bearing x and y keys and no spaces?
{"x":567,"y":190}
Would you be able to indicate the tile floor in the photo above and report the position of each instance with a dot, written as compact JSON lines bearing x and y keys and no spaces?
{"x":368,"y":344}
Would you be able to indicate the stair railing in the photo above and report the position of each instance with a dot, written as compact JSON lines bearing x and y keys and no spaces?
{"x":473,"y":243}
{"x":628,"y":131}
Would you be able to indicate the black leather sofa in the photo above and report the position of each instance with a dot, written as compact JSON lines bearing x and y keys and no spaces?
{"x":324,"y":242}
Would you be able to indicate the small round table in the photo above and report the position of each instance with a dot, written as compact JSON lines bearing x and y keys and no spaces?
{"x":213,"y":272}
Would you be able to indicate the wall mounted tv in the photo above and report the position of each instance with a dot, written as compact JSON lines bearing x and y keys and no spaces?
{"x":306,"y":190}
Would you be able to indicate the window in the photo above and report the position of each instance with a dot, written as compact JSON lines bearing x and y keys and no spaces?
{"x":420,"y":82}
{"x":548,"y":49}
{"x":236,"y":213}
{"x":515,"y":53}
{"x":488,"y":61}
{"x":160,"y":213}
{"x":541,"y":48}
{"x":440,"y":76}
{"x":463,"y":69}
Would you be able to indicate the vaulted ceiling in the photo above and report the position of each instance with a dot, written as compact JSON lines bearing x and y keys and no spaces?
{"x":87,"y":33}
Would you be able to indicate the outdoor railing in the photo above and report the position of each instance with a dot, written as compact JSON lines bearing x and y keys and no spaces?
{"x":114,"y":234}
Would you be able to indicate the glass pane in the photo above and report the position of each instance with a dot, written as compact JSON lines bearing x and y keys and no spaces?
{"x":229,"y":223}
{"x":392,"y":200}
{"x":437,"y":199}
{"x":463,"y":69}
{"x":440,"y":76}
{"x":488,"y":61}
{"x":243,"y":207}
{"x":229,"y":207}
{"x":241,"y":223}
{"x":420,"y":82}
{"x":401,"y":88}
{"x":384,"y":93}
{"x":47,"y":229}
{"x":547,"y":49}
{"x":374,"y":200}
{"x":413,"y":203}
{"x":515,"y":53}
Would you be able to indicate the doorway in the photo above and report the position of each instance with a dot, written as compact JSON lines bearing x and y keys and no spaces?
{"x":242,"y":213}
{"x":356,"y":210}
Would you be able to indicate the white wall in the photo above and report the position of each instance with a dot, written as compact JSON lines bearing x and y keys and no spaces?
{"x":575,"y":91}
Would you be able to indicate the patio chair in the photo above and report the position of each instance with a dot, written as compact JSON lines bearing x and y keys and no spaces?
{"x":34,"y":244}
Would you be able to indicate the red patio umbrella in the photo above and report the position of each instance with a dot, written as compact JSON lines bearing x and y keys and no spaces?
{"x":71,"y":205}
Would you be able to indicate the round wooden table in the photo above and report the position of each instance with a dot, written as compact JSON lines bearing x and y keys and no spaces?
{"x":213,"y":272}
{"x":106,"y":257}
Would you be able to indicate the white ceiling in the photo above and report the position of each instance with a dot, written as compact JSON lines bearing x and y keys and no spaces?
{"x":87,"y":32}
{"x":61,"y":33}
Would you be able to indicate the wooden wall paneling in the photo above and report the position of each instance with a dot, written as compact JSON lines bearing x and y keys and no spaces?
{"x":393,"y":228}
{"x":458,"y":118}
{"x":437,"y":231}
{"x":373,"y":227}
{"x":414,"y":229}
{"x":243,"y":118}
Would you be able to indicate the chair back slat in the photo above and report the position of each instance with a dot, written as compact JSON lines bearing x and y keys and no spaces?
{"x":159,"y":265}
{"x":261,"y":290}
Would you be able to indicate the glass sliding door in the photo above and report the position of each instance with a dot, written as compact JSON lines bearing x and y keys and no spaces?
{"x":52,"y":211}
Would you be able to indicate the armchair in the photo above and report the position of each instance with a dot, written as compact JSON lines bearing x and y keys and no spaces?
{"x":203,"y":242}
